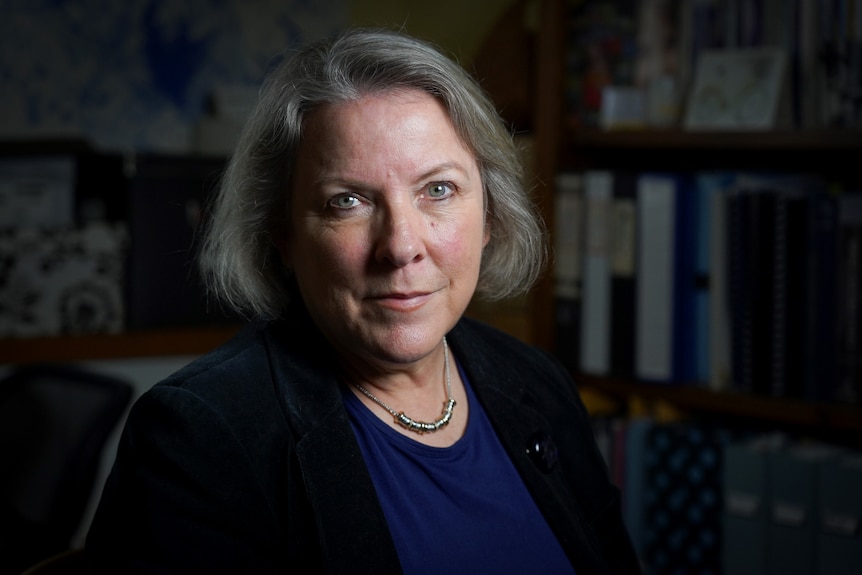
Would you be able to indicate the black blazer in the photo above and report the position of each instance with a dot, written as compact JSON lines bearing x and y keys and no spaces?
{"x":245,"y":462}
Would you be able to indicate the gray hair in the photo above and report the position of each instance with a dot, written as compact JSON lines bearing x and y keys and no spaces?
{"x":239,"y":260}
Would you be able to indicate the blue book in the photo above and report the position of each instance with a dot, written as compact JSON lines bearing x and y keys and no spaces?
{"x":682,"y":497}
{"x":711,"y":363}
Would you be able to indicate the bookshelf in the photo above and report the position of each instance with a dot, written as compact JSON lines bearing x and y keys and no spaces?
{"x":795,"y":413}
{"x":560,"y":148}
{"x":161,"y":315}
{"x":131,"y":344}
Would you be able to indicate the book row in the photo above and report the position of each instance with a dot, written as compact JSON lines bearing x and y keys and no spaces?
{"x":655,"y":50}
{"x":732,"y":280}
{"x":706,"y":499}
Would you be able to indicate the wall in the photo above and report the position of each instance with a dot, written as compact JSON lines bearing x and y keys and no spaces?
{"x":137,"y":75}
{"x":457,"y":26}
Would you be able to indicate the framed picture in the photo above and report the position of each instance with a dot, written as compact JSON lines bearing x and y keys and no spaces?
{"x":737,"y":89}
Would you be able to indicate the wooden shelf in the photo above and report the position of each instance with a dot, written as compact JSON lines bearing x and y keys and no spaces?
{"x":676,"y":139}
{"x":829,"y":151}
{"x":795,"y":413}
{"x":149,"y":343}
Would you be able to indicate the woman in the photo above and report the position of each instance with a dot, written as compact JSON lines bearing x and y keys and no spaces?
{"x":361,"y":424}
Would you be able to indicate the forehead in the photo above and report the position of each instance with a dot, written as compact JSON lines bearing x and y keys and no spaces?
{"x":407,"y":124}
{"x":315,"y":119}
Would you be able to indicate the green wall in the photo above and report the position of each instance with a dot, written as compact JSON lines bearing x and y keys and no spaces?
{"x":457,"y":26}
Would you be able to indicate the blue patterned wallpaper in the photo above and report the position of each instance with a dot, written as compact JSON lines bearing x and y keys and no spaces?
{"x":136,"y":74}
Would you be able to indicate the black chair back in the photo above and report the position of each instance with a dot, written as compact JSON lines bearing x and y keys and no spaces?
{"x":54,"y":423}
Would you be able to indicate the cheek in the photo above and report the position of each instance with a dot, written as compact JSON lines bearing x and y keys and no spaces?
{"x":462,"y":246}
{"x":326,"y":253}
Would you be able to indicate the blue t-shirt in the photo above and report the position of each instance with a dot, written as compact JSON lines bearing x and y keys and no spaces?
{"x":458,"y":509}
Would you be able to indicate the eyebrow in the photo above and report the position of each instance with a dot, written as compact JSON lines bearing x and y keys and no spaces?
{"x":428,"y":174}
{"x":444,"y":167}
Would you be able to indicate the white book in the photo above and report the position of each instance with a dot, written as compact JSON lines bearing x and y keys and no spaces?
{"x":655,"y":281}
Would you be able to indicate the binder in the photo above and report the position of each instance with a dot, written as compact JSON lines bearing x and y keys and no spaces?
{"x":713,"y":320}
{"x":745,"y":519}
{"x":792,"y":539}
{"x":665,"y":281}
{"x":839,"y":524}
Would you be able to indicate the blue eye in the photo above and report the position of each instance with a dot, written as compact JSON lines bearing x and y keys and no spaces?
{"x":344,"y":202}
{"x":439,"y":190}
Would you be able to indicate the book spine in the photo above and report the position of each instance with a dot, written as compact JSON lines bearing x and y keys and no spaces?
{"x":821,"y":312}
{"x":623,"y":234}
{"x":849,"y":389}
{"x":656,"y":198}
{"x":567,"y":263}
{"x":596,"y":310}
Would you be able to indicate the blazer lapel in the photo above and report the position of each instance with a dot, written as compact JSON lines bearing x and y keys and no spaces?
{"x":354,"y":535}
{"x":518,"y":425}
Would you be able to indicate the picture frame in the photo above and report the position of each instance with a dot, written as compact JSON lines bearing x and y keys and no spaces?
{"x":737,"y":89}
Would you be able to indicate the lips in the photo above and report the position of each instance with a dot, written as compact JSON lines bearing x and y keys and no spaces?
{"x":402,"y":301}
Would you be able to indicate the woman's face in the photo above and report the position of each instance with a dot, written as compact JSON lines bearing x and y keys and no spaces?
{"x":387,"y":225}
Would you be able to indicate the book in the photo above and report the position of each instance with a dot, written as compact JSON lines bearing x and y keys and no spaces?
{"x":794,"y":506}
{"x":782,"y":284}
{"x":710,"y":319}
{"x":682,"y":497}
{"x":595,"y":309}
{"x":665,"y":281}
{"x":567,"y":263}
{"x":849,"y":378}
{"x":745,"y":480}
{"x":820,"y":322}
{"x":623,"y":269}
{"x":633,"y":487}
{"x":751,"y":255}
{"x":780,"y":227}
{"x":713,"y":356}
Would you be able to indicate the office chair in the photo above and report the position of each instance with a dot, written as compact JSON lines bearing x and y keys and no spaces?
{"x":54,"y":422}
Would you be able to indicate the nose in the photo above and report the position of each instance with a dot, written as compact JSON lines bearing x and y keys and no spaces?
{"x":400,"y":235}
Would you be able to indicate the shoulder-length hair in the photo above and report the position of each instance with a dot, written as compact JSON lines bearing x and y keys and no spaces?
{"x":239,"y":260}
